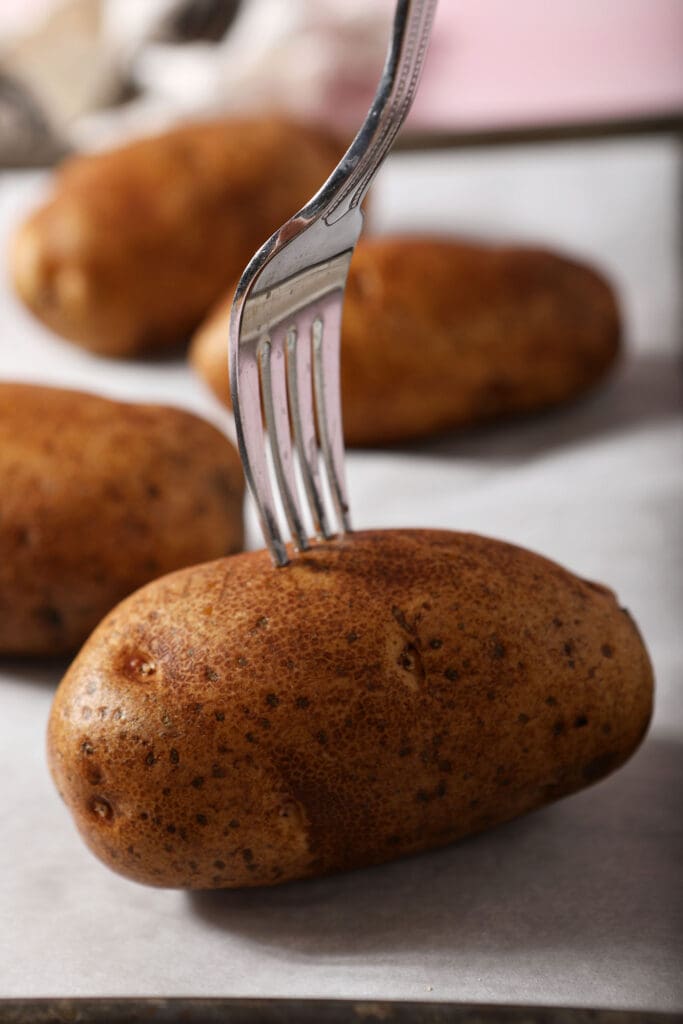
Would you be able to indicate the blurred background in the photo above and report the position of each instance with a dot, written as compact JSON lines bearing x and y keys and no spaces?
{"x":84,"y":73}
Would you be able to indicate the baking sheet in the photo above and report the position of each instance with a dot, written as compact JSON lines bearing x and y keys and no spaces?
{"x":578,"y":904}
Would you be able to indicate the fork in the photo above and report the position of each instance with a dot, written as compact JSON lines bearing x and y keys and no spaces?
{"x":285,"y":321}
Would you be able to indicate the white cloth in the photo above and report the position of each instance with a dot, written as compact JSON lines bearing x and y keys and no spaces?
{"x":580,"y":903}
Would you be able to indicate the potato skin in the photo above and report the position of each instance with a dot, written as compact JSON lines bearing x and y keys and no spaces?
{"x":236,"y":725}
{"x":439,"y":334}
{"x":137,"y":243}
{"x":98,"y":497}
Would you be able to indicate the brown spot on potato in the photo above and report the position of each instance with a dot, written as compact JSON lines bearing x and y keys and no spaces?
{"x":400,"y":617}
{"x":138,"y":665}
{"x":410,"y":659}
{"x":497,"y":650}
{"x":101,"y":808}
{"x":50,"y":616}
{"x":22,"y":536}
{"x":94,"y":775}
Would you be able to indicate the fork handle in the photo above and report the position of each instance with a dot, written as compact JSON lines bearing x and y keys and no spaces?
{"x":393,"y":99}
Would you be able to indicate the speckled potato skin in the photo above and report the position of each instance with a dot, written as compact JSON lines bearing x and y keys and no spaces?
{"x":99,"y":497}
{"x":135,"y":244}
{"x":439,"y":334}
{"x":237,"y":725}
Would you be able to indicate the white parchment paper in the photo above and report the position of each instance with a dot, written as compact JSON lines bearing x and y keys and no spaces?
{"x":580,"y":903}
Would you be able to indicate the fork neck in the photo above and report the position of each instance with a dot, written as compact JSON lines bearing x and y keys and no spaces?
{"x":350,"y":182}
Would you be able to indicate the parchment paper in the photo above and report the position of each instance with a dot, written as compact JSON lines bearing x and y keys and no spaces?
{"x":581,"y":903}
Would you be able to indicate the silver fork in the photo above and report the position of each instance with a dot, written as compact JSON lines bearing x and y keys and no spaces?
{"x":286,"y":318}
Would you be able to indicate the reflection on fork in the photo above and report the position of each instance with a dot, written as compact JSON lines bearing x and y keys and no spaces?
{"x":286,"y":319}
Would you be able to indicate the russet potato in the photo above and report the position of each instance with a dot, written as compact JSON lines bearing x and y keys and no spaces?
{"x":135,"y":244}
{"x":233,"y":724}
{"x":439,"y":334}
{"x":98,"y":497}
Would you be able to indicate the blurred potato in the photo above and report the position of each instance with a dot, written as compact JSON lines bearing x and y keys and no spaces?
{"x":99,"y":497}
{"x":135,"y":244}
{"x":439,"y":334}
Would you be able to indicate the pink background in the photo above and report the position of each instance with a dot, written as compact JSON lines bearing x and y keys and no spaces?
{"x":506,"y":63}
{"x":525,"y":62}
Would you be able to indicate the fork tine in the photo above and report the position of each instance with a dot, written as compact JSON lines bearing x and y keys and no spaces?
{"x":300,"y":271}
{"x":274,"y":385}
{"x":300,"y":386}
{"x":327,"y":390}
{"x":251,"y":442}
